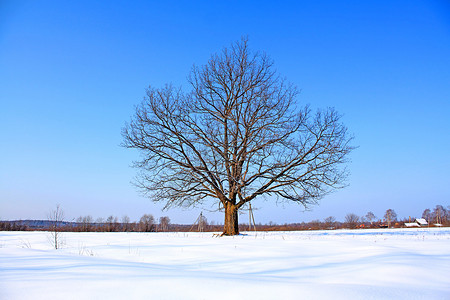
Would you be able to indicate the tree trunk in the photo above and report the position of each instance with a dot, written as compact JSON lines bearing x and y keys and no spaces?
{"x":231,"y":226}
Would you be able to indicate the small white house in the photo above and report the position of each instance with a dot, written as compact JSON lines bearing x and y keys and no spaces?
{"x":422,"y":222}
{"x":417,"y":223}
{"x":414,"y":224}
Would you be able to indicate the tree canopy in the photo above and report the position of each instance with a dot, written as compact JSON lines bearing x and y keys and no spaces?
{"x":235,"y":135}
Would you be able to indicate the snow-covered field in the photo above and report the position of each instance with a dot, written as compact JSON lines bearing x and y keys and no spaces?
{"x":342,"y":264}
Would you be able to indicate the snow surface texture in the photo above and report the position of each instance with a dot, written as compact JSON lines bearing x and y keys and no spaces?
{"x":341,"y":264}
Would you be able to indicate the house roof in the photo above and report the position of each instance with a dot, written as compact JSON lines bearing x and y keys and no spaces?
{"x":422,"y":221}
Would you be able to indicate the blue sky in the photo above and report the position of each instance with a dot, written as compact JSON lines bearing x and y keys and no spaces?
{"x":71,"y":73}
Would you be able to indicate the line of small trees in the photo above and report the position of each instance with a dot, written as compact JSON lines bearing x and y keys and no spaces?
{"x":56,"y":223}
{"x":439,"y":216}
{"x":147,"y":223}
{"x":13,"y":226}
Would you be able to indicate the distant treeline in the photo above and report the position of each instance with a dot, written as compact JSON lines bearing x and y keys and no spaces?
{"x":439,"y":216}
{"x":44,"y":225}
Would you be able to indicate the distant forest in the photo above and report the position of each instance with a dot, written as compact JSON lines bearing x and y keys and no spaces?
{"x":439,"y":216}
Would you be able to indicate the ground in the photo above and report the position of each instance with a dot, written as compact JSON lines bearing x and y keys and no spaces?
{"x":339,"y":264}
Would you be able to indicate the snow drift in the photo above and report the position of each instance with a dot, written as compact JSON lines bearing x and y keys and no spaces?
{"x":341,"y":264}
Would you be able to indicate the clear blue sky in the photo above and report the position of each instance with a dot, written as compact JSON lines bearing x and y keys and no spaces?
{"x":71,"y":73}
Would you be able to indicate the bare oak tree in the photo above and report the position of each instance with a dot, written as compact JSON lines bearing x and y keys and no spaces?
{"x":237,"y":135}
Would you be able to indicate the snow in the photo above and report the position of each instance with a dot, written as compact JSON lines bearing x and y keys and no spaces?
{"x":410,"y":263}
{"x":412,"y":225}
